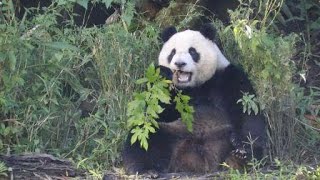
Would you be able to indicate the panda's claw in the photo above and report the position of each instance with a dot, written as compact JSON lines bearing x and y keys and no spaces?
{"x":151,"y":174}
{"x":240,"y":153}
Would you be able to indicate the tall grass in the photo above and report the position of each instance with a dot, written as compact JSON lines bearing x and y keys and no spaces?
{"x":64,"y":90}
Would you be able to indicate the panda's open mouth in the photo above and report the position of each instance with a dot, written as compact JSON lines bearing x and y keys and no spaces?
{"x":182,"y":76}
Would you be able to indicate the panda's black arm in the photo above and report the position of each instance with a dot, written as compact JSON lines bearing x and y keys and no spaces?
{"x":234,"y":82}
{"x":253,"y":126}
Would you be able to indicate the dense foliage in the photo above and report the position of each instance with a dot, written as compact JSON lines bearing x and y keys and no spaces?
{"x":64,"y":90}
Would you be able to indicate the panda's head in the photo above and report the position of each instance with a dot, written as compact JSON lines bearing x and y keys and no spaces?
{"x":192,"y":56}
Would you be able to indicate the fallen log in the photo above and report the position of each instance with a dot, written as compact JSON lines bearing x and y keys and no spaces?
{"x":39,"y":166}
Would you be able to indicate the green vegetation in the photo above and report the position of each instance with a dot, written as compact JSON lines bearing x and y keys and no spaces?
{"x":144,"y":110}
{"x":277,"y":171}
{"x":271,"y":60}
{"x":249,"y":103}
{"x":65,"y":90}
{"x":186,"y":111}
{"x":266,"y":57}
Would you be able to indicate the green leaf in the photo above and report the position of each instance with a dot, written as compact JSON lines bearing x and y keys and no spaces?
{"x":142,"y":81}
{"x":151,"y":129}
{"x":107,"y":3}
{"x":150,"y":70}
{"x":254,"y":107}
{"x":144,"y":143}
{"x":249,"y":110}
{"x":184,"y":109}
{"x":166,"y":81}
{"x":83,"y":3}
{"x":134,"y":138}
{"x":128,"y":13}
{"x":135,"y":106}
{"x":185,"y":98}
{"x":315,"y":25}
{"x":152,"y":112}
{"x":154,"y":123}
{"x":244,"y":109}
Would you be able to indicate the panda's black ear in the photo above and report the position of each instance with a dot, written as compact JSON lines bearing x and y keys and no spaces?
{"x":167,"y":33}
{"x":208,"y":31}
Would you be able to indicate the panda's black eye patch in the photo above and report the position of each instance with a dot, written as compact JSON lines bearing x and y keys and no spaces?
{"x":194,"y":54}
{"x":173,"y":52}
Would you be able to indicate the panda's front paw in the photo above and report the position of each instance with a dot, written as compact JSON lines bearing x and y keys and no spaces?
{"x":165,"y":72}
{"x":240,"y":154}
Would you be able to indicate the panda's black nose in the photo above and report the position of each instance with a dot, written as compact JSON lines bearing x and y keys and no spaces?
{"x":180,"y":64}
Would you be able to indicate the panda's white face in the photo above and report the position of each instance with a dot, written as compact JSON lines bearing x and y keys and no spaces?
{"x":192,"y":58}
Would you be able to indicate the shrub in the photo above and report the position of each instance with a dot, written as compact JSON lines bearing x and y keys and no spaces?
{"x":266,"y":57}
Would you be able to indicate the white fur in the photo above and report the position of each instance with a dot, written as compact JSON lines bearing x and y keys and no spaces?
{"x":210,"y":60}
{"x":222,"y":60}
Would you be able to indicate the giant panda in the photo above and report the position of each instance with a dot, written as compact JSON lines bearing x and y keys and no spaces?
{"x":194,"y":63}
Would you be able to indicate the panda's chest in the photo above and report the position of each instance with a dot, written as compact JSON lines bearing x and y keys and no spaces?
{"x":212,"y":98}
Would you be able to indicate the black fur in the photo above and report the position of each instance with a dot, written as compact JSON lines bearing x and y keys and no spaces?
{"x":208,"y":31}
{"x":173,"y":52}
{"x":194,"y":54}
{"x":168,"y":33}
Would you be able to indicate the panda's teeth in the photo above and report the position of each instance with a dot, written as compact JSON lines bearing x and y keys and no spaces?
{"x":184,"y":76}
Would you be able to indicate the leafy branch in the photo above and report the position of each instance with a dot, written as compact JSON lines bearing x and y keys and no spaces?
{"x":183,"y":107}
{"x":144,"y":109}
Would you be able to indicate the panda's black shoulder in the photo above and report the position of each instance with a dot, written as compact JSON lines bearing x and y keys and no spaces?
{"x":233,"y":80}
{"x":231,"y":70}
